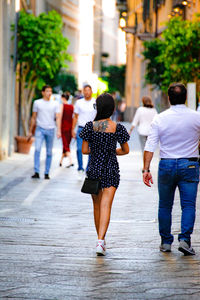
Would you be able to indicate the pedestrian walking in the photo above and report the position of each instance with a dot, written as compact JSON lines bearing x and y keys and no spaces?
{"x":100,"y":139}
{"x":143,"y":118}
{"x":178,"y":131}
{"x":45,"y":113}
{"x":66,"y":128}
{"x":84,"y":112}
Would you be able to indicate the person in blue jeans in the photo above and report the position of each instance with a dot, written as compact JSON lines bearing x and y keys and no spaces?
{"x":84,"y":112}
{"x":178,"y":131}
{"x":45,"y":113}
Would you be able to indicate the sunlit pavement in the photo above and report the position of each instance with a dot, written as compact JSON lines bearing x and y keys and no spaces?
{"x":47,"y":244}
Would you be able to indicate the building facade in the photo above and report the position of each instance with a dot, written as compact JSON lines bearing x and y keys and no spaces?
{"x":91,"y":29}
{"x":7,"y":79}
{"x":145,"y":20}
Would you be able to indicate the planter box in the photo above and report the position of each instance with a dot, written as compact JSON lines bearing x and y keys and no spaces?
{"x":23,"y":146}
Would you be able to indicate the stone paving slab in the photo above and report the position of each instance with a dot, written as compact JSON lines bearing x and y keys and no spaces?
{"x":47,"y":238}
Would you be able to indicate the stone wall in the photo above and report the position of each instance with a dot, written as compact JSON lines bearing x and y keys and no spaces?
{"x":7,"y":80}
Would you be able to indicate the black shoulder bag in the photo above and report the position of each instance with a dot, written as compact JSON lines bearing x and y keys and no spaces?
{"x":92,"y":186}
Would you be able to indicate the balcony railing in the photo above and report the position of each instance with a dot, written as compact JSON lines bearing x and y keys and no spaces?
{"x":177,"y":3}
{"x":121,"y":5}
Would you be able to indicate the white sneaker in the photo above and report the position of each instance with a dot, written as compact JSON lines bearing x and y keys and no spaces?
{"x":185,"y":248}
{"x":100,"y":248}
{"x":81,"y":174}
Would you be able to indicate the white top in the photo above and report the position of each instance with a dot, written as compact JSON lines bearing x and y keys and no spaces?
{"x":143,"y":118}
{"x":85,"y":110}
{"x":46,"y":113}
{"x":178,"y":131}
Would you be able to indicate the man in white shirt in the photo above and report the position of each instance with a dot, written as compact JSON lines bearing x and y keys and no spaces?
{"x":178,"y":131}
{"x":84,"y":112}
{"x":45,"y":113}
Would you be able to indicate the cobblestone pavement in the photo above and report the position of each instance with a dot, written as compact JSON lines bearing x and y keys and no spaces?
{"x":47,"y":239}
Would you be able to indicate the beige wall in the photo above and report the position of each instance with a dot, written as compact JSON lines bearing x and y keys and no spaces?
{"x":110,"y":31}
{"x":97,"y":36}
{"x":70,"y":15}
{"x":7,"y":80}
{"x":135,"y":89}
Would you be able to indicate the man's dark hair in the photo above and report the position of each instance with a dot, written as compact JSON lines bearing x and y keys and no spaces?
{"x":46,"y":87}
{"x":177,"y":93}
{"x":87,"y":85}
{"x":105,"y":106}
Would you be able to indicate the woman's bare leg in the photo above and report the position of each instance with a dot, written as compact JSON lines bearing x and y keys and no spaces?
{"x":63,"y":155}
{"x":96,"y":204}
{"x":68,"y":154}
{"x":105,"y":211}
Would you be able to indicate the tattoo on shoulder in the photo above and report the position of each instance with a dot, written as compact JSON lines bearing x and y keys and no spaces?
{"x":100,"y":126}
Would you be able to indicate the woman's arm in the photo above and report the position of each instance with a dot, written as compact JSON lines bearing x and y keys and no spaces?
{"x":74,"y":121}
{"x":123,"y":150}
{"x":132,"y":127}
{"x":85,"y":147}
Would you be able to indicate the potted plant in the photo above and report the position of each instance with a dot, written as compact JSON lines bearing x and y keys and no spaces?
{"x":41,"y":53}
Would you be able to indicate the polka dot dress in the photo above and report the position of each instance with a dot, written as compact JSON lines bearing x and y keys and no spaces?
{"x":103,"y":161}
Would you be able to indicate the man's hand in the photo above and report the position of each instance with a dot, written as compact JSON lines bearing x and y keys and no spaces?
{"x":58,"y":134}
{"x":147,"y":178}
{"x":73,"y":134}
{"x":29,"y":136}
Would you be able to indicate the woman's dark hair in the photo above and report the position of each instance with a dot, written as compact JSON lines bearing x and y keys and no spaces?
{"x":147,"y":102}
{"x":105,"y":105}
{"x":66,"y":96}
{"x":177,"y":93}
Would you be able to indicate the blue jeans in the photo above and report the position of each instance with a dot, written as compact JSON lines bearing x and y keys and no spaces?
{"x":183,"y":174}
{"x":41,"y":135}
{"x":79,"y":150}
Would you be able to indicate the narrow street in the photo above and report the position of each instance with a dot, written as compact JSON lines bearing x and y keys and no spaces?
{"x":47,"y":240}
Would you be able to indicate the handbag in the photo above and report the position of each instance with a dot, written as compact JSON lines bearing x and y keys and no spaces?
{"x":91,"y":186}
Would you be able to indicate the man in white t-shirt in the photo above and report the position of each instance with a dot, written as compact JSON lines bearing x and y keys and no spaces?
{"x":84,"y":112}
{"x":45,"y":113}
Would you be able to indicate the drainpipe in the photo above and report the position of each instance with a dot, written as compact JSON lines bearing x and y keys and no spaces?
{"x":12,"y":124}
{"x":156,"y":12}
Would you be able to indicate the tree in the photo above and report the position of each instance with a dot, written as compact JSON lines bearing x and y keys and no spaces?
{"x":66,"y":82}
{"x":179,"y":53}
{"x":41,"y":54}
{"x":61,"y":81}
{"x":115,"y":76}
{"x":154,"y":68}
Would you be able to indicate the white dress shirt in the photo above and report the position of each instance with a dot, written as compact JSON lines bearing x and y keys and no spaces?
{"x":85,"y":110}
{"x":143,"y":118}
{"x":178,"y":131}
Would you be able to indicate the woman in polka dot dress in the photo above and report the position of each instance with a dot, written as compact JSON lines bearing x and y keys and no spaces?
{"x":100,"y":139}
